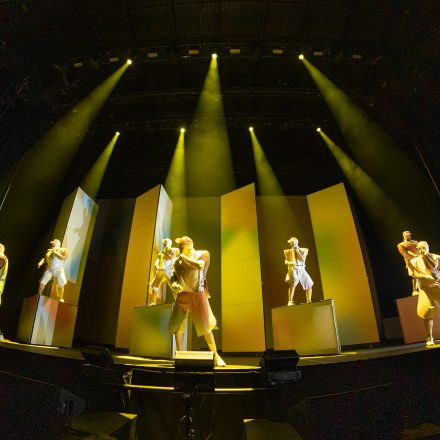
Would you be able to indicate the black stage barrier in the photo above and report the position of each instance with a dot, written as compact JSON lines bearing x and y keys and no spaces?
{"x":368,"y":413}
{"x":32,"y":409}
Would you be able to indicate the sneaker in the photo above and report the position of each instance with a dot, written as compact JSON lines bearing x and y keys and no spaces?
{"x":430,"y":342}
{"x":151,"y":304}
{"x":218,"y":361}
{"x":290,"y":303}
{"x":62,"y":300}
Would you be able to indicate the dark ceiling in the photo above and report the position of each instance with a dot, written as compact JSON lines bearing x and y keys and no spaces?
{"x":385,"y":54}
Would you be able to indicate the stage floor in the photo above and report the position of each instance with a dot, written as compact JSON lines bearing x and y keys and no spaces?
{"x":234,"y":362}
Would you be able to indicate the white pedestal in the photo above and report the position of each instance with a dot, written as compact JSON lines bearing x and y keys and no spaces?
{"x":46,"y":321}
{"x":149,"y":332}
{"x":310,"y":329}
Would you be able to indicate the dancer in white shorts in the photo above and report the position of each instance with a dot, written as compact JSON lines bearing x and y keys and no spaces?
{"x":54,"y":260}
{"x":295,"y":260}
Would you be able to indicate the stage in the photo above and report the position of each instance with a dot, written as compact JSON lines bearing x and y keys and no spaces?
{"x":241,"y":393}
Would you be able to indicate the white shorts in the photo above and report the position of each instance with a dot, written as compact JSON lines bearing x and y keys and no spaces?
{"x":297,"y":275}
{"x":57,"y":274}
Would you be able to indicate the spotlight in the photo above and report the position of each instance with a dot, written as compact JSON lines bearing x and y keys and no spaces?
{"x":214,"y":56}
{"x":129,"y":61}
{"x":251,"y":128}
{"x":318,"y":129}
{"x":301,"y":57}
{"x":117,"y":133}
{"x":182,"y":130}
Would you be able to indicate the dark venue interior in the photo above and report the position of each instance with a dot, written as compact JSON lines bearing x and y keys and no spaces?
{"x":357,"y":112}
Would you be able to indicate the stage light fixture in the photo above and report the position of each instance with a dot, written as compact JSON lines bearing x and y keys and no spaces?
{"x":214,"y":56}
{"x":318,"y":129}
{"x":251,"y":128}
{"x":117,"y":133}
{"x":356,"y":56}
{"x":182,"y":130}
{"x":113,"y":59}
{"x":234,"y":50}
{"x":193,"y":51}
{"x":78,"y":64}
{"x":301,"y":57}
{"x":129,"y":61}
{"x":152,"y":54}
{"x":194,"y":371}
{"x":277,"y":51}
{"x":318,"y":53}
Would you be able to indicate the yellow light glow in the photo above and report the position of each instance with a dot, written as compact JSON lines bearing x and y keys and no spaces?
{"x":318,"y":129}
{"x":214,"y":56}
{"x":301,"y":57}
{"x":182,"y":130}
{"x":251,"y":128}
{"x":117,"y":133}
{"x":129,"y":61}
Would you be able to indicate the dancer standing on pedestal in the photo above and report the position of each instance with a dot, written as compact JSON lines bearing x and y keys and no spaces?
{"x":295,"y":260}
{"x":3,"y":275}
{"x":408,"y":250}
{"x":3,"y":269}
{"x":426,"y":269}
{"x":54,"y":260}
{"x":163,"y":269}
{"x":190,"y":286}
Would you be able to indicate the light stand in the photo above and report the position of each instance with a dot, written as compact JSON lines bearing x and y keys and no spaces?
{"x":193,"y":372}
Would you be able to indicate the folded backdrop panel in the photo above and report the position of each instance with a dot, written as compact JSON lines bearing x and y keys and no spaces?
{"x":74,"y":229}
{"x":139,"y":256}
{"x":242,"y":298}
{"x":161,"y":231}
{"x":104,"y":272}
{"x":341,"y":262}
{"x":279,"y":218}
{"x":53,"y":322}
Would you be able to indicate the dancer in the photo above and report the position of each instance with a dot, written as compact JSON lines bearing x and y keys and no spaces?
{"x":408,"y":250}
{"x":295,"y":259}
{"x":426,"y":269}
{"x":163,"y":269}
{"x":3,"y":269}
{"x":54,"y":260}
{"x":189,"y":285}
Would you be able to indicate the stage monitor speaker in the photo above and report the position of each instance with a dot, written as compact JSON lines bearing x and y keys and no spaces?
{"x":368,"y":413}
{"x":105,"y":425}
{"x":194,"y":371}
{"x":262,"y":429}
{"x":280,"y":366}
{"x":32,"y":409}
{"x":97,"y":356}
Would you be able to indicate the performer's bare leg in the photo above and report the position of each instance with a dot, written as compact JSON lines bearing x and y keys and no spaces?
{"x":209,"y":338}
{"x":179,"y":340}
{"x":60,"y":293}
{"x":415,"y":285}
{"x":291,"y":293}
{"x":429,"y":324}
{"x":309,"y":295}
{"x":41,"y":288}
{"x":154,"y":291}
